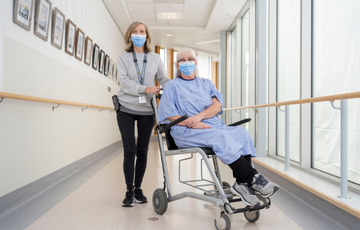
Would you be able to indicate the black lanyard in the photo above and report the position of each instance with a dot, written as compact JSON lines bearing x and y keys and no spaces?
{"x":142,"y":74}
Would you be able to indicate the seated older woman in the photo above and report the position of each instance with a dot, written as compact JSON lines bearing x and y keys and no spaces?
{"x":198,"y":98}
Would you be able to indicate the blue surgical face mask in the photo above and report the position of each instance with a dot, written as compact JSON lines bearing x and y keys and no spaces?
{"x":187,"y":68}
{"x":138,"y":40}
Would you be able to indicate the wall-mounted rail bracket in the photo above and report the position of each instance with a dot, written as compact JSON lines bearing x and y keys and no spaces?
{"x":82,"y":110}
{"x":1,"y":99}
{"x":332,"y":105}
{"x":53,"y":108}
{"x":101,"y":110}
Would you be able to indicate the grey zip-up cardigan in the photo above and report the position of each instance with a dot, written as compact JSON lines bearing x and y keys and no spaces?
{"x":131,"y":89}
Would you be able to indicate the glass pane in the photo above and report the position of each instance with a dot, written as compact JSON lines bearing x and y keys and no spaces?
{"x":336,"y":68}
{"x":231,"y":93}
{"x":288,"y":73}
{"x":203,"y":66}
{"x":245,"y":67}
{"x":163,"y":56}
{"x":175,"y":69}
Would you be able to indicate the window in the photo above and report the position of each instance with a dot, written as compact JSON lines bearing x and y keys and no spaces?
{"x":336,"y":58}
{"x":245,"y":67}
{"x":288,"y":73}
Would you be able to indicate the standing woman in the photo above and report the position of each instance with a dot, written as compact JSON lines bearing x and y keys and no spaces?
{"x":137,"y":69}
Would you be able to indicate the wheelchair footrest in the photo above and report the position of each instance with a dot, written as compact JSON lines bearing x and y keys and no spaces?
{"x":266,"y":204}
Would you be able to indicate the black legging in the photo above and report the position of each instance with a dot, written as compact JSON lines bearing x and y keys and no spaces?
{"x":145,"y":124}
{"x":243,"y":170}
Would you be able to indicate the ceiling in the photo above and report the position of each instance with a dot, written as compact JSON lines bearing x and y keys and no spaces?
{"x":192,"y":23}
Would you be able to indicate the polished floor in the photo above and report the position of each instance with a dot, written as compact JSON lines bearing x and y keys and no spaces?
{"x":91,"y":199}
{"x":97,"y":203}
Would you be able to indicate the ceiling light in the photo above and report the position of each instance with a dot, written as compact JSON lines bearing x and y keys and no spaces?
{"x":206,"y":42}
{"x":169,"y":15}
{"x":169,"y":35}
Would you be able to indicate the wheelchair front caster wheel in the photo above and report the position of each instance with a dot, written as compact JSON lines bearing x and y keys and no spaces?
{"x":252,"y":216}
{"x":224,"y":223}
{"x":226,"y":184}
{"x":160,"y":201}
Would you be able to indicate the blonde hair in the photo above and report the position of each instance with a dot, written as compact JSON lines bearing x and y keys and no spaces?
{"x":129,"y":47}
{"x":189,"y":52}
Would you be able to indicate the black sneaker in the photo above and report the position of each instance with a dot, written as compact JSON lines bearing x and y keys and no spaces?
{"x":139,"y":196}
{"x":129,"y":199}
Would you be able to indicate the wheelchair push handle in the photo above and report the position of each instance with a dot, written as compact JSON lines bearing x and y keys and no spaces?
{"x":168,"y":126}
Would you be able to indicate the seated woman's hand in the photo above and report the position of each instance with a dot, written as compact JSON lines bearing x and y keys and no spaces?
{"x":201,"y":125}
{"x":192,"y":121}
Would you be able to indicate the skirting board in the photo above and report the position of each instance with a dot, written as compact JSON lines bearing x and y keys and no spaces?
{"x":16,"y":199}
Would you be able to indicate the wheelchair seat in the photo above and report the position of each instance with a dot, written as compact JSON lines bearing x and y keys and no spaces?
{"x":172,"y":146}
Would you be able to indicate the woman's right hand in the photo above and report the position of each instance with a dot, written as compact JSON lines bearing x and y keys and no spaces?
{"x":152,"y":89}
{"x":200,"y":125}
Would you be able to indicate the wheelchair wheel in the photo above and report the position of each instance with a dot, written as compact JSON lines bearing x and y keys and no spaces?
{"x":224,"y":224}
{"x":226,"y":184}
{"x":252,"y":216}
{"x":160,"y":201}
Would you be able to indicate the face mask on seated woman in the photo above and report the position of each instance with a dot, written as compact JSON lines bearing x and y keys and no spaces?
{"x":187,"y":68}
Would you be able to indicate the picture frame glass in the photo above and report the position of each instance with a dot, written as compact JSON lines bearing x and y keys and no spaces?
{"x":102,"y":61}
{"x":71,"y":38}
{"x":24,"y":12}
{"x":59,"y":28}
{"x":44,"y":13}
{"x":80,"y":42}
{"x":96,"y":56}
{"x":88,"y":51}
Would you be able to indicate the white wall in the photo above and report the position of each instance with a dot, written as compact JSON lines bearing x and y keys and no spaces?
{"x":34,"y":140}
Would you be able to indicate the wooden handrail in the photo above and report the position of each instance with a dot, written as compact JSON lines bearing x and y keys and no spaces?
{"x":303,"y":101}
{"x":46,"y":100}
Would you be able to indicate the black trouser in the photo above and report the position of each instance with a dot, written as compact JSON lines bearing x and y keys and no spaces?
{"x":243,"y":170}
{"x":145,"y":124}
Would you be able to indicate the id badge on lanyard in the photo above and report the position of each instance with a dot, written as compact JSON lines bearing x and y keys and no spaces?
{"x":141,"y":75}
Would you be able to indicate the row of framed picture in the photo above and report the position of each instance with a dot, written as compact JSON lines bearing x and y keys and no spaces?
{"x":74,"y":36}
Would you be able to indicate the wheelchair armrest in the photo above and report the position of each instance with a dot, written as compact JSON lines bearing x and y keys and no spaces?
{"x":240,"y":122}
{"x":168,"y":126}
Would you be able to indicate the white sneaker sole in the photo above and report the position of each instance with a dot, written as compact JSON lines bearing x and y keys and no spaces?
{"x":139,"y":201}
{"x":127,"y":205}
{"x":242,"y":197}
{"x":269,"y":194}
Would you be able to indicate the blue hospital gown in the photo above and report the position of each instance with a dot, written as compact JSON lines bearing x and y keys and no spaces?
{"x":190,"y":97}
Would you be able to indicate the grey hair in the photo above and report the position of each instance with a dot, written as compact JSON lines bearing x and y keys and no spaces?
{"x":191,"y":53}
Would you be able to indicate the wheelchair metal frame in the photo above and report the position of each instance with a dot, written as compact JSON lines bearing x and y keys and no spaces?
{"x":218,"y":196}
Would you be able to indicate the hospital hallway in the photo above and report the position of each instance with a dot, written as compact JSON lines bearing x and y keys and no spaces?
{"x":92,"y":198}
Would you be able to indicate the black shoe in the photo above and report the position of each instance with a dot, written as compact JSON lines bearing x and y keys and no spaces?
{"x":139,"y":196}
{"x":129,"y":199}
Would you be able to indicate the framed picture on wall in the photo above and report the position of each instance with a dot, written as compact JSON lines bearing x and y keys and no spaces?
{"x":70,"y":37}
{"x":101,"y":61}
{"x":79,"y":45}
{"x":106,"y":65}
{"x":111,"y":64}
{"x":22,"y":13}
{"x":42,"y":19}
{"x":57,"y":31}
{"x":114,"y":72}
{"x":95,"y":60}
{"x":88,"y":48}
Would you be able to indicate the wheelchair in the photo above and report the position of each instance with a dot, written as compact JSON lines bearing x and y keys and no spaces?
{"x":221,"y":196}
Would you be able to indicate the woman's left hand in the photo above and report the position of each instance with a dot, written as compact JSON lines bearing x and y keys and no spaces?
{"x":192,"y":121}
